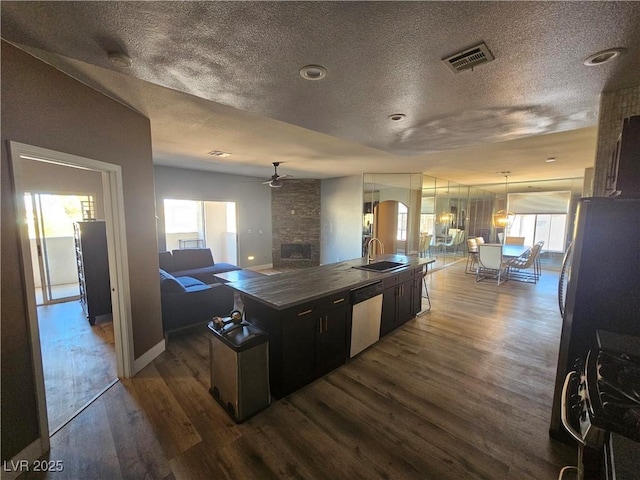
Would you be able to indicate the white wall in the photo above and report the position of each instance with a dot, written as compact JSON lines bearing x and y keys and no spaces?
{"x":222,"y":243}
{"x":341,"y":219}
{"x":62,"y":261}
{"x":41,"y":177}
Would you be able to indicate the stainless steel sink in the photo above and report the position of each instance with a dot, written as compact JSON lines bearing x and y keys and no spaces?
{"x":381,"y":266}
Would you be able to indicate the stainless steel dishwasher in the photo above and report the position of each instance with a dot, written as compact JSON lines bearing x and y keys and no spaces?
{"x":365,"y":318}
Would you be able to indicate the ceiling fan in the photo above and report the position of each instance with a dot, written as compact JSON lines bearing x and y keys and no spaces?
{"x":276,"y":180}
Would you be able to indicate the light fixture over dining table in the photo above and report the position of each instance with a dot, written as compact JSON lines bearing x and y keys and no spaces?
{"x":504,"y":218}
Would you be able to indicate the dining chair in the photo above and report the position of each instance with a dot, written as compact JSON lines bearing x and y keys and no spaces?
{"x":514,"y":240}
{"x":518,"y":267}
{"x":453,"y":240}
{"x":472,"y":258}
{"x":490,"y":263}
{"x":425,"y":244}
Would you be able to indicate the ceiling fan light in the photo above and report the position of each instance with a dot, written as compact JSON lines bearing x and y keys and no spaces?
{"x":275,"y":183}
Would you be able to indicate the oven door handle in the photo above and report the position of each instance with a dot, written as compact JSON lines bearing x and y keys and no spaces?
{"x":565,"y":470}
{"x":564,"y":413}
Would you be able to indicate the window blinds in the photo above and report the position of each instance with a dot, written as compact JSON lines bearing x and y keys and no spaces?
{"x":427,"y":205}
{"x":539,"y":202}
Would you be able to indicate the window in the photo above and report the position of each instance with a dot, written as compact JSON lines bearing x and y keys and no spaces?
{"x":427,"y":223}
{"x":402,"y":222}
{"x":182,"y":216}
{"x":550,"y":228}
{"x":427,"y":215}
{"x":541,"y":216}
{"x":231,"y":217}
{"x":56,"y":213}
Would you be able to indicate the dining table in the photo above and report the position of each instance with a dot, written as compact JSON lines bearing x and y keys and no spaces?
{"x":512,"y":251}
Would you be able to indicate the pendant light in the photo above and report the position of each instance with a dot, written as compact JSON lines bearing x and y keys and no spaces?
{"x":504,"y":218}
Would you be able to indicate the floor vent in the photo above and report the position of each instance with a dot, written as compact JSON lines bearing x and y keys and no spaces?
{"x":468,"y":59}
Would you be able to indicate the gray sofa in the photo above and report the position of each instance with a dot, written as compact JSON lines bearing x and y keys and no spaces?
{"x":193,"y":262}
{"x":186,"y":301}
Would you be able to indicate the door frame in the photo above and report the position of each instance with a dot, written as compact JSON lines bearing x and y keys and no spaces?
{"x":112,"y":186}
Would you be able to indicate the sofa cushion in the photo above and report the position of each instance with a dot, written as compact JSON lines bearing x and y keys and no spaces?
{"x":205,"y":274}
{"x":188,"y":282}
{"x":169,"y":283}
{"x":224,"y":267}
{"x":198,"y":288}
{"x":190,"y":258}
{"x":166,"y":261}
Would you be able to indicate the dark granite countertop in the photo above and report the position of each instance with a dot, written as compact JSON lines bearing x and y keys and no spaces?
{"x":293,"y":288}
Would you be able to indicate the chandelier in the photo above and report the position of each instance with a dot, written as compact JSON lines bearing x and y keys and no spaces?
{"x":503,"y":218}
{"x":446,"y":217}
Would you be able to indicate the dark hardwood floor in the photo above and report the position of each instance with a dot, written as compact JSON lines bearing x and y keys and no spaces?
{"x":461,"y":392}
{"x":78,"y":359}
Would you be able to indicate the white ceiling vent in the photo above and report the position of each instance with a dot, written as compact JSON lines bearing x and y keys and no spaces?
{"x":468,"y":59}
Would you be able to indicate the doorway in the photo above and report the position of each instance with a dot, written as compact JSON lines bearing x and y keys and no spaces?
{"x":50,"y":219}
{"x":110,"y":179}
{"x":200,"y":224}
{"x":390,"y":226}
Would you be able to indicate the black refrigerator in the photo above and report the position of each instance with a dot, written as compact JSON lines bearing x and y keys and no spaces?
{"x":600,"y":283}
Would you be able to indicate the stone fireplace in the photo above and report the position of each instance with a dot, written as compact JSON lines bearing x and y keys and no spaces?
{"x":293,"y":251}
{"x":295,"y":217}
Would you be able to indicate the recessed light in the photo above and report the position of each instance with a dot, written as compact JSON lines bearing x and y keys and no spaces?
{"x":119,"y":59}
{"x":603,"y":57}
{"x":396,"y":117}
{"x":313,"y":72}
{"x":550,"y":159}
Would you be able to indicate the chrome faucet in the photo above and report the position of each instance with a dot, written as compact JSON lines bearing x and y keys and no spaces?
{"x":369,"y":254}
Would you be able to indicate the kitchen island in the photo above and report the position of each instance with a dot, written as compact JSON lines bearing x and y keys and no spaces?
{"x":308,"y":313}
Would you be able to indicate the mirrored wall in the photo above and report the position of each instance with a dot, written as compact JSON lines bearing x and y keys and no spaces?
{"x":417,"y":214}
{"x":391,"y":213}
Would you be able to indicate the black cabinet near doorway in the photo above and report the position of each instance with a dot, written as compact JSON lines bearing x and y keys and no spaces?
{"x":93,"y":268}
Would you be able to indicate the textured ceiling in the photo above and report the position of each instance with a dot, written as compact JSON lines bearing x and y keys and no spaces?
{"x":224,"y":76}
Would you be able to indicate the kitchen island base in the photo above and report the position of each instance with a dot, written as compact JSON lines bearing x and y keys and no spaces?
{"x":311,"y":338}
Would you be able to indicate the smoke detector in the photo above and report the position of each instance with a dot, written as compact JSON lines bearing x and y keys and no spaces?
{"x":119,"y":59}
{"x":469,"y":58}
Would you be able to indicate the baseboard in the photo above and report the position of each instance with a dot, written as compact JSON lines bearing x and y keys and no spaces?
{"x":266,"y":266}
{"x":23,"y":461}
{"x":147,"y":357}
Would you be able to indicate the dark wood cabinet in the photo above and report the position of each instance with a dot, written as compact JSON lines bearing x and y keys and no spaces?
{"x":310,"y":339}
{"x":397,"y":301}
{"x":331,"y":339}
{"x":416,"y":294}
{"x":305,"y":342}
{"x":93,"y":268}
{"x":298,"y":363}
{"x":388,"y":319}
